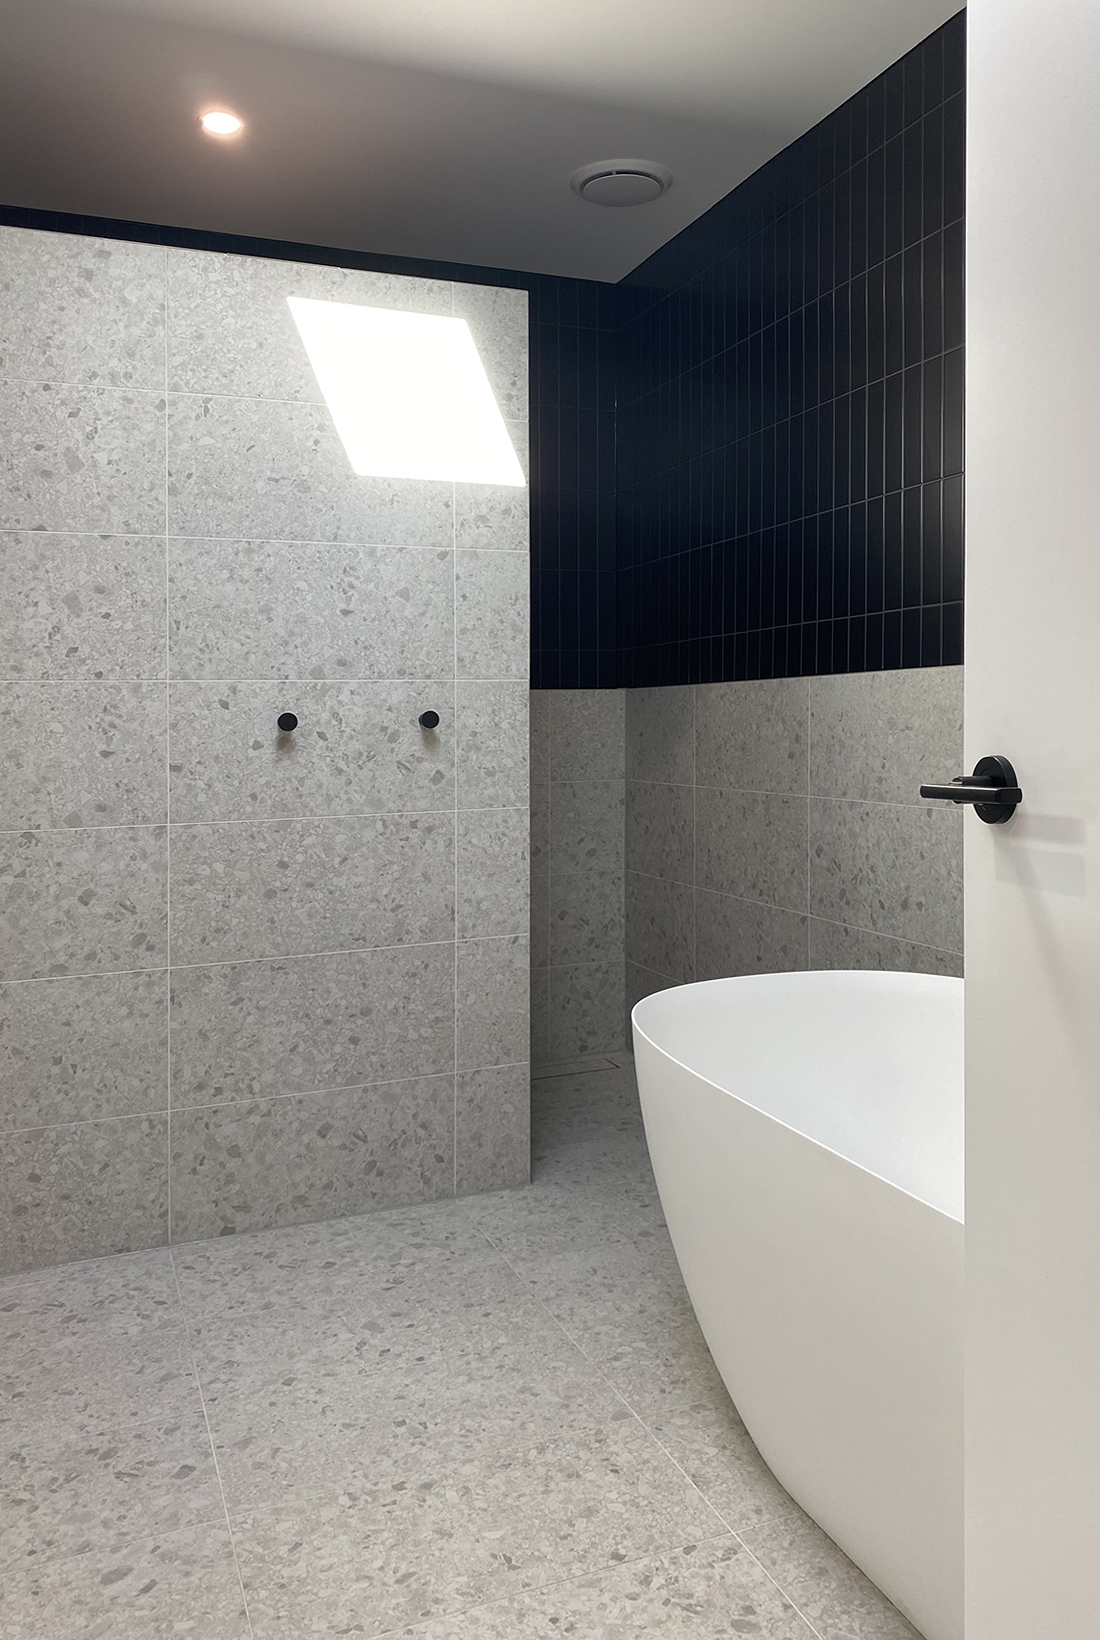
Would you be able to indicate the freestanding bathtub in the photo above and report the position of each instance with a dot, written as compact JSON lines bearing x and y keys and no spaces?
{"x":806,"y":1136}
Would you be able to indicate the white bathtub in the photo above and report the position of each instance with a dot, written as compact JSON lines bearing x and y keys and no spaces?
{"x":806,"y":1132}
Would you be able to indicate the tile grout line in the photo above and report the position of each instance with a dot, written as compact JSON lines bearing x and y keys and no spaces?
{"x":534,"y":1591}
{"x":245,"y":961}
{"x":774,"y":1581}
{"x":252,"y":820}
{"x":596,"y":1368}
{"x":730,"y":1530}
{"x":210,"y":1438}
{"x":264,"y":1099}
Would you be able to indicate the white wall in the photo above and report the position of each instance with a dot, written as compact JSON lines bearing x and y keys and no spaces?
{"x":1033,"y":890}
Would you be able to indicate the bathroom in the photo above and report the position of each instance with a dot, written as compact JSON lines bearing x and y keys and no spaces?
{"x":490,"y":814}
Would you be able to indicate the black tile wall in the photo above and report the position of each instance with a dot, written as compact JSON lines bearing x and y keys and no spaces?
{"x":573,"y":324}
{"x":746,"y":458}
{"x":790,"y":396}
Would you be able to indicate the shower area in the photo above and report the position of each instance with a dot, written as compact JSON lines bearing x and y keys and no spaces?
{"x":252,"y":974}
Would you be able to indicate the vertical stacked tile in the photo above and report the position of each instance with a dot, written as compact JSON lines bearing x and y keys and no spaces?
{"x":789,"y":432}
{"x":83,"y":802}
{"x":347,"y":917}
{"x":577,"y":871}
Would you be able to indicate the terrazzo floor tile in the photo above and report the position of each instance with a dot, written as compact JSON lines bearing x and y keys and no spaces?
{"x":835,"y":1596}
{"x":102,"y":1342}
{"x":157,"y":1588}
{"x":699,"y":1592}
{"x":63,"y":1493}
{"x":486,"y":1419}
{"x":532,"y":1512}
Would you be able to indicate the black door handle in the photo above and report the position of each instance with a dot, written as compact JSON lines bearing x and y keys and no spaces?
{"x":992,"y":789}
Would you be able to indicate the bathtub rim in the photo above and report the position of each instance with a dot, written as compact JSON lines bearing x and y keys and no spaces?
{"x":729,"y":979}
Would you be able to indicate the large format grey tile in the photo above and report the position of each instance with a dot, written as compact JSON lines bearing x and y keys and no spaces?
{"x":660,"y":830}
{"x":81,"y":458}
{"x":833,"y":1594}
{"x":530,"y":1513}
{"x":641,"y":983}
{"x":660,"y":926}
{"x":303,"y":609}
{"x":387,"y":1267}
{"x":93,"y":1345}
{"x":78,"y":309}
{"x":287,"y":887}
{"x":76,"y":902}
{"x":82,"y":754}
{"x":752,"y":844}
{"x":497,"y":318}
{"x":73,"y":1493}
{"x":660,"y":735}
{"x":493,"y":872}
{"x":495,"y":517}
{"x":150,"y":1589}
{"x":753,"y":736}
{"x":834,"y":945}
{"x":254,"y":1030}
{"x":540,"y":881}
{"x":585,"y":1002}
{"x":586,"y":825}
{"x":318,"y":1156}
{"x":591,"y":1097}
{"x":540,"y":1015}
{"x":744,"y":937}
{"x":587,"y":729}
{"x":82,"y":606}
{"x":710,"y":1443}
{"x":230,"y":329}
{"x":696,"y":1591}
{"x":541,"y":702}
{"x":586,"y":915}
{"x":493,"y":745}
{"x":492,"y":1001}
{"x":878,"y":735}
{"x":888,"y":868}
{"x":358,"y":749}
{"x":492,"y":1129}
{"x":276,"y":470}
{"x":83,"y":1191}
{"x":72,"y":1050}
{"x":492,"y":615}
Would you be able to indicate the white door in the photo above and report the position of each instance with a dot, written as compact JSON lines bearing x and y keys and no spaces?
{"x":1033,"y":886}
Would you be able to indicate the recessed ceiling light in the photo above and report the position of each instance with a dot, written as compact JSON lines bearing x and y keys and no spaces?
{"x":220,"y":123}
{"x":621,"y":181}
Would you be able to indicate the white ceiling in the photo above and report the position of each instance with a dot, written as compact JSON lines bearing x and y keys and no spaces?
{"x":431,"y":128}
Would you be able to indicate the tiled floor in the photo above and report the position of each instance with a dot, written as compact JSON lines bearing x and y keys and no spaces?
{"x":491,"y":1419}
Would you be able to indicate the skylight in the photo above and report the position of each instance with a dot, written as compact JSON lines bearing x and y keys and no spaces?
{"x":407,"y":392}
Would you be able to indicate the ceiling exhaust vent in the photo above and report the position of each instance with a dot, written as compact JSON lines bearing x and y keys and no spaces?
{"x":621,"y":181}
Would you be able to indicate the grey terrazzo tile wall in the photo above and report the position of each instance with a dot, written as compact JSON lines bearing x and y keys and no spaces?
{"x":775,"y":825}
{"x":247,"y":978}
{"x":578,"y":795}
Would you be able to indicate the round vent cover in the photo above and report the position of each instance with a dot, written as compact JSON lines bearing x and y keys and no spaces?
{"x":621,"y":181}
